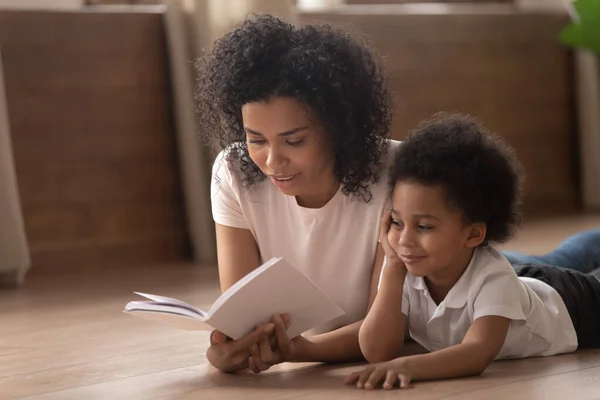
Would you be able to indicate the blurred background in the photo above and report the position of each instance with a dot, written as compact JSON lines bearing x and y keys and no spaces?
{"x":100,"y":164}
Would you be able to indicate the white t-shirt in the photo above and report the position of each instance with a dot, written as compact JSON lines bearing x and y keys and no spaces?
{"x":334,"y":245}
{"x":540,"y":323}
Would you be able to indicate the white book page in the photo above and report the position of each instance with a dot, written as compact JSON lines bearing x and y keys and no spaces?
{"x":279,"y":288}
{"x":239,"y":284}
{"x":169,"y":300}
{"x":161,"y":308}
{"x":173,"y":320}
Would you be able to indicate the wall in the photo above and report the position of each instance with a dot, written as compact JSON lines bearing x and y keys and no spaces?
{"x":40,"y":4}
{"x":14,"y":251}
{"x":502,"y":66}
{"x":89,"y":102}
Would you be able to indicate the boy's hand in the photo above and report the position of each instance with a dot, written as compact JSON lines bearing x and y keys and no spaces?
{"x":390,"y":254}
{"x":392,"y":373}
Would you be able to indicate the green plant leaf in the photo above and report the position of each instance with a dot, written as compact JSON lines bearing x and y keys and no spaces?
{"x":588,"y":10}
{"x":585,"y":33}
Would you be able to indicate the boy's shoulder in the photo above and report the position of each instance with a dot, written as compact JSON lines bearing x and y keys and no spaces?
{"x":490,"y":266}
{"x":494,"y":283}
{"x":487,"y":272}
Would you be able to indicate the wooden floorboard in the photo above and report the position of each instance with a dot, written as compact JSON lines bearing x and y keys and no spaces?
{"x":63,"y":336}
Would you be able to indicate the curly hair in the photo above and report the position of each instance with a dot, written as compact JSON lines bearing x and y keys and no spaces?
{"x":477,"y":170}
{"x":322,"y":68}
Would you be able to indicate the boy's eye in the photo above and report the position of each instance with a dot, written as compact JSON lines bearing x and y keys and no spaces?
{"x":425,"y":227}
{"x":396,"y":223}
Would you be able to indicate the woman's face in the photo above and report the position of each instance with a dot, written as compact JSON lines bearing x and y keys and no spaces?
{"x":287,"y":141}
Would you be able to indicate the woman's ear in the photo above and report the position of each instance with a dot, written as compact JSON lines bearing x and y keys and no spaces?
{"x":477,"y":232}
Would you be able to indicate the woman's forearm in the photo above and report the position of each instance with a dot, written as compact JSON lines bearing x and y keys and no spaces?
{"x":340,"y":345}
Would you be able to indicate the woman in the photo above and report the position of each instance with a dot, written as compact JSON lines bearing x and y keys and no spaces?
{"x":301,"y":116}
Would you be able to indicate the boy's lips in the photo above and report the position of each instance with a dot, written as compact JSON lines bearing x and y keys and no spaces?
{"x":410,"y":259}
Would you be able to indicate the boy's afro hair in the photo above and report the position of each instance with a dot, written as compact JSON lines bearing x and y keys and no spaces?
{"x":477,"y":170}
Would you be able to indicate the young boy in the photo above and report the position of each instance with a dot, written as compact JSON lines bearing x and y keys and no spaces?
{"x":455,"y":194}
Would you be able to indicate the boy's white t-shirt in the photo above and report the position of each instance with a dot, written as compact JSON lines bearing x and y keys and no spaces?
{"x":334,"y":245}
{"x":540,"y":323}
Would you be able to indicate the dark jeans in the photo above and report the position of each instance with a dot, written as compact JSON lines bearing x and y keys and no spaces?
{"x":581,"y":294}
{"x":573,"y":269}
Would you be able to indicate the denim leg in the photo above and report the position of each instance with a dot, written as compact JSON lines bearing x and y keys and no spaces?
{"x":580,"y":252}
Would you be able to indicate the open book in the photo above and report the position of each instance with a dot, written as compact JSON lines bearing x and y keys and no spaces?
{"x":274,"y":288}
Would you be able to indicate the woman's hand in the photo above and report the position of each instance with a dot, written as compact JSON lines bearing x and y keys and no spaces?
{"x":392,"y":373}
{"x":232,"y":355}
{"x":278,"y":348}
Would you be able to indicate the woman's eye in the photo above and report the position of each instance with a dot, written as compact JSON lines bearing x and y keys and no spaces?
{"x":295,"y":142}
{"x":256,"y":141}
{"x":425,"y":227}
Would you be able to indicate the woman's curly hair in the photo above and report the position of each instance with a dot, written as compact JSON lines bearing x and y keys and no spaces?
{"x":321,"y":67}
{"x":477,"y":170}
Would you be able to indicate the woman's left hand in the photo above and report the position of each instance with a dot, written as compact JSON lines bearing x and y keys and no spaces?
{"x":277,"y":349}
{"x":392,"y":373}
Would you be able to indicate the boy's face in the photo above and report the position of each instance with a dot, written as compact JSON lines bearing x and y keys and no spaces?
{"x":430,"y":237}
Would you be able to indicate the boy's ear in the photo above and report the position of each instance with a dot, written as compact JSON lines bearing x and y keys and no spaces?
{"x":477,"y":233}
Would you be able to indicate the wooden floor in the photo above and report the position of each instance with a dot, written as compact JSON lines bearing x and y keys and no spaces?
{"x":63,"y":336}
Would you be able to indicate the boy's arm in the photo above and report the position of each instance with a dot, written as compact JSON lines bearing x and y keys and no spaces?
{"x":479,"y":348}
{"x":381,"y":335}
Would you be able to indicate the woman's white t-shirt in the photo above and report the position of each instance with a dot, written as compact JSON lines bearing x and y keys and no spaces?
{"x":334,"y":245}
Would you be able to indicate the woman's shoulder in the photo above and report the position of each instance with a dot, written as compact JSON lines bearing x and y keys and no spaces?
{"x":227,"y":174}
{"x":388,"y":158}
{"x":394,"y":145}
{"x":225,"y":159}
{"x":383,"y":181}
{"x":227,"y":167}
